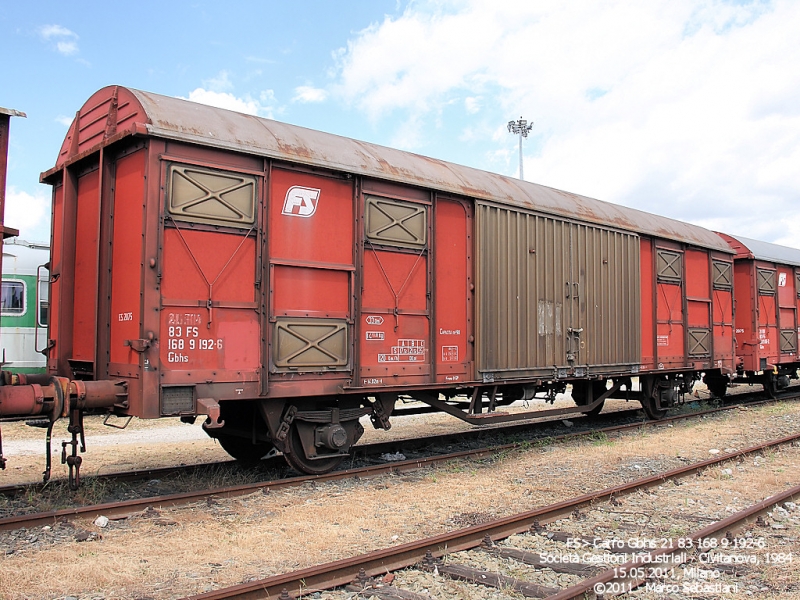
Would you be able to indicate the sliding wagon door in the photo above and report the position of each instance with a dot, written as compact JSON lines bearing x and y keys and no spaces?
{"x":555,"y":298}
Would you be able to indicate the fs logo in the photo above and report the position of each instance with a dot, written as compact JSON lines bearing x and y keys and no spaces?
{"x":300,"y":201}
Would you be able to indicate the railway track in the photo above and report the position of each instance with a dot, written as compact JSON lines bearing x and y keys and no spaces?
{"x":664,"y":561}
{"x":126,"y":508}
{"x":366,"y":453}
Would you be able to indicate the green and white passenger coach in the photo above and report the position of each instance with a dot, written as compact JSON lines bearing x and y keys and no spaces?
{"x":24,"y":305}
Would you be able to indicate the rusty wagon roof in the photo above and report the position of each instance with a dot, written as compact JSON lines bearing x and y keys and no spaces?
{"x":758,"y":250}
{"x":187,"y":121}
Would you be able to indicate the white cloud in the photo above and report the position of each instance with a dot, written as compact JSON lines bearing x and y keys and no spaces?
{"x":57,"y":31}
{"x":683,"y":108}
{"x":220,"y":83}
{"x":267,"y":98}
{"x":228,"y":101}
{"x":64,"y":120}
{"x":67,"y":48}
{"x":309,"y":94}
{"x":28,"y":213}
{"x":66,"y":41}
{"x":472,"y":105}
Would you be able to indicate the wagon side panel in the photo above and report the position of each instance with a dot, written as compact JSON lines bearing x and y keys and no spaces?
{"x":722,"y":279}
{"x":699,"y":334}
{"x":648,"y":303}
{"x":209,"y":340}
{"x":452,"y":293}
{"x":767,"y":331}
{"x":787,"y":314}
{"x":670,"y":313}
{"x":311,"y":278}
{"x":56,"y":316}
{"x":126,"y":265}
{"x":394,"y":328}
{"x":747,"y":346}
{"x":86,"y":256}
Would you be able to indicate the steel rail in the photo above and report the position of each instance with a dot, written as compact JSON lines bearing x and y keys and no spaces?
{"x":122,"y":509}
{"x":277,"y":462}
{"x":376,"y":448}
{"x":717,"y":530}
{"x":379,"y":562}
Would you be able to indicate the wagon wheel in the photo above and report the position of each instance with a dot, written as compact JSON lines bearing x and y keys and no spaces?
{"x":650,"y":395}
{"x":652,"y":410}
{"x":717,"y":386}
{"x":243,"y":450}
{"x":579,"y":389}
{"x":296,"y":456}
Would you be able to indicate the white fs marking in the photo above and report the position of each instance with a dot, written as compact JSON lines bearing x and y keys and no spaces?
{"x":300,"y":201}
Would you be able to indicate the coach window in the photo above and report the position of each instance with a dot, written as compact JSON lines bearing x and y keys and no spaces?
{"x":12,"y":298}
{"x":44,"y":304}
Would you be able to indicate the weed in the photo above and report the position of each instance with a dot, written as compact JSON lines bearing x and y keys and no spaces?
{"x":778,"y":408}
{"x":675,"y":531}
{"x":542,"y":443}
{"x":599,"y":438}
{"x":500,"y":456}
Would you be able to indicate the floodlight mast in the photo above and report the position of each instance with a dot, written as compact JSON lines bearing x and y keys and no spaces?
{"x":522,"y":128}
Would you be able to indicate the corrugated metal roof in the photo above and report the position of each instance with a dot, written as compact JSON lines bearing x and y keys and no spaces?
{"x":197,"y":123}
{"x":769,"y":252}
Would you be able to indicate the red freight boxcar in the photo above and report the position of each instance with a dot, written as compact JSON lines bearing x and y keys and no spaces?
{"x":767,"y":284}
{"x":286,"y":282}
{"x":688,"y":317}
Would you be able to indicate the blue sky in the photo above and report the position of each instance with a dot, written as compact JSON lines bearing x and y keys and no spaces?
{"x":689,"y":109}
